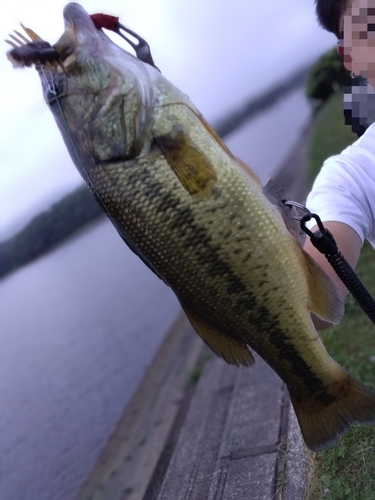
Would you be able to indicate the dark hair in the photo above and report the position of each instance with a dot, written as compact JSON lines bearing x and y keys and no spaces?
{"x":329,"y":14}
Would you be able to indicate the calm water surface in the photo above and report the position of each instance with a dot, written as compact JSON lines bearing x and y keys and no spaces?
{"x":77,"y":329}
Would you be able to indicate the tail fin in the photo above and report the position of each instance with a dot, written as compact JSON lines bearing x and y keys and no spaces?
{"x":325,"y":418}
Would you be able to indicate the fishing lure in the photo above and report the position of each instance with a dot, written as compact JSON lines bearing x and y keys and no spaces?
{"x":25,"y":53}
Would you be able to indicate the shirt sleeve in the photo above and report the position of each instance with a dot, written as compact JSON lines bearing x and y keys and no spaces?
{"x":344,"y":190}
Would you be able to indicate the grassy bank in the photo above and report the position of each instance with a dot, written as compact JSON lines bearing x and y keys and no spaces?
{"x":331,"y":135}
{"x":346,"y":472}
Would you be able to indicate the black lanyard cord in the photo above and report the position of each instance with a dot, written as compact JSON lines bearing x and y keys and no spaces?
{"x":324,"y":241}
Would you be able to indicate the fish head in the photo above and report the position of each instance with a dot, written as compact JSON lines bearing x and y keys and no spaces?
{"x":99,"y":93}
{"x":87,"y":54}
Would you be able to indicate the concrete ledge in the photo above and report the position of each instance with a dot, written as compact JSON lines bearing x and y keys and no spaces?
{"x":233,"y":435}
{"x":126,"y":465}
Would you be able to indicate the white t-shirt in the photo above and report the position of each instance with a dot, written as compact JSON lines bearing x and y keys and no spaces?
{"x":344,"y":190}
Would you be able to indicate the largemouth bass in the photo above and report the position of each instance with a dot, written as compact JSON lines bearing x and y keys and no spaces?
{"x":183,"y":204}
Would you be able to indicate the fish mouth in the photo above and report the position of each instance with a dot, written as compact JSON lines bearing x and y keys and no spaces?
{"x":79,"y":32}
{"x":76,"y":18}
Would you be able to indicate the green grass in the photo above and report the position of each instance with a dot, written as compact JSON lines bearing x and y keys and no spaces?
{"x":331,"y":135}
{"x":347,"y":471}
{"x":195,"y":374}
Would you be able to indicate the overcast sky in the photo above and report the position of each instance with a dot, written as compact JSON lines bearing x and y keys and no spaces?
{"x":219,"y":53}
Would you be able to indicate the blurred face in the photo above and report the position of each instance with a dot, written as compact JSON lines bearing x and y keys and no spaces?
{"x":358,"y":25}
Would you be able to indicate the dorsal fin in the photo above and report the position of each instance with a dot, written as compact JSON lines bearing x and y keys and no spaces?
{"x":245,"y":169}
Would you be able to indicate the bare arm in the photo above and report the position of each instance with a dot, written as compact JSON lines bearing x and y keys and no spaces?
{"x":349,"y":244}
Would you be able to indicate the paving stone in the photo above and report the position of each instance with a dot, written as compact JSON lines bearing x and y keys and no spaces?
{"x":296,"y":471}
{"x":193,"y":462}
{"x":254,"y":415}
{"x":231,"y":430}
{"x":247,"y":478}
{"x":127,"y":463}
{"x":234,"y":437}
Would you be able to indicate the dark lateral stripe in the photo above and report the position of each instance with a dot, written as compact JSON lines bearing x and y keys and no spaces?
{"x":198,"y":240}
{"x":179,"y":217}
{"x":208,"y":253}
{"x":314,"y":386}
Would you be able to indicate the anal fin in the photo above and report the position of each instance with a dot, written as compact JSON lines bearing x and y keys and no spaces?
{"x":231,"y":350}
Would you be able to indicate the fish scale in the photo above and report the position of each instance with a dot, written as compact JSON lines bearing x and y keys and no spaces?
{"x":199,"y":220}
{"x":186,"y":242}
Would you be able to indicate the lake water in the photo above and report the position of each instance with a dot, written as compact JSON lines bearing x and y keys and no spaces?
{"x":78,"y":328}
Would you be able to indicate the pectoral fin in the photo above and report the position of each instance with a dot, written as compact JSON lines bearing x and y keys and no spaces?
{"x":192,"y":167}
{"x":232,"y":351}
{"x":324,"y":299}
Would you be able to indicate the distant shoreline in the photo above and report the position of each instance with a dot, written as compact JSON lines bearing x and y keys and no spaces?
{"x":48,"y":229}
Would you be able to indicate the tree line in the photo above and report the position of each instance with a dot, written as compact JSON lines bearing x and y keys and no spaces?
{"x":48,"y":229}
